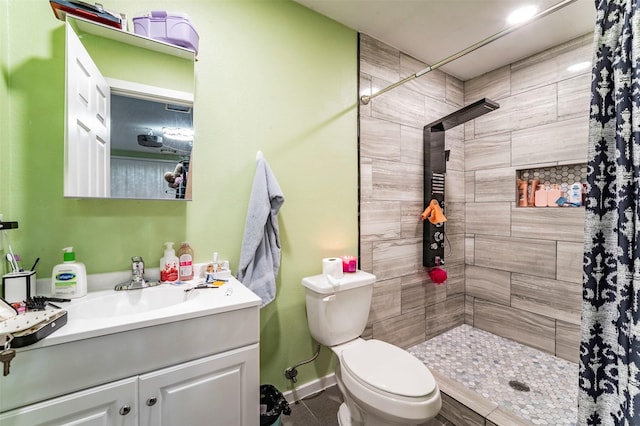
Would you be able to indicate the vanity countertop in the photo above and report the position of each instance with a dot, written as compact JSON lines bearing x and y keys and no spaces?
{"x":106,"y":312}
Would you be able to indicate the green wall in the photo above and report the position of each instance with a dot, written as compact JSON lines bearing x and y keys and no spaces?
{"x":271,"y":76}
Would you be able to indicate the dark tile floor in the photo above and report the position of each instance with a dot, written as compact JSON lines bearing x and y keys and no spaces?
{"x":321,"y":409}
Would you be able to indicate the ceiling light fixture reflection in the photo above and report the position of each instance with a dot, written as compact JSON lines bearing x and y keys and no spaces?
{"x":178,"y":133}
{"x":522,"y":14}
{"x":580,"y":66}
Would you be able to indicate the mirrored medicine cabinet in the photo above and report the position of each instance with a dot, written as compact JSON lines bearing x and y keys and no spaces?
{"x":128,"y":115}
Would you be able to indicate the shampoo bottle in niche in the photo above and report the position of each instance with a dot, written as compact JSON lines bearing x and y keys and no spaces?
{"x":185,"y":257}
{"x":69,"y":279}
{"x":574,"y":194}
{"x":169,"y":265}
{"x":553,"y":195}
{"x":541,"y":196}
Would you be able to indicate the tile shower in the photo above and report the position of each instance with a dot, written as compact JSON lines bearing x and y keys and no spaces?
{"x":513,"y":272}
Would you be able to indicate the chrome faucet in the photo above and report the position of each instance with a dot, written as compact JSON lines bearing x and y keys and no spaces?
{"x":137,"y":276}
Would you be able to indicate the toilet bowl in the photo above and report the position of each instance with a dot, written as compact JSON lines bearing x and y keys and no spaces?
{"x":382,"y":384}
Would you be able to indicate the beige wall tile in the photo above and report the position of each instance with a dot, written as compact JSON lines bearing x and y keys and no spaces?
{"x":494,"y":85}
{"x":379,"y":59}
{"x":570,"y":256}
{"x":559,"y":300}
{"x":495,"y":185}
{"x":522,"y":111}
{"x":396,"y":258}
{"x":455,"y":279}
{"x":454,"y":186}
{"x":488,"y":218}
{"x":469,"y":187}
{"x":468,"y":310}
{"x":455,"y":91}
{"x":489,"y":152}
{"x":400,"y":105}
{"x":418,"y":291}
{"x":366,"y":256}
{"x":529,"y":256}
{"x":444,"y":316}
{"x":404,"y":330}
{"x":454,"y":257}
{"x":549,"y":223}
{"x":469,"y":249}
{"x":431,"y":84}
{"x":455,"y":218}
{"x":574,"y":96}
{"x":455,"y":144}
{"x":411,"y":145}
{"x":561,"y":141}
{"x":366,"y":178}
{"x":488,"y":284}
{"x":410,"y":224}
{"x":379,"y":139}
{"x":568,"y":341}
{"x":380,"y":220}
{"x":396,"y":181}
{"x":386,"y":299}
{"x":525,"y":327}
{"x":550,"y":65}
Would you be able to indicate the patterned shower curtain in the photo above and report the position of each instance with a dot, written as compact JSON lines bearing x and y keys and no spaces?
{"x":609,"y":382}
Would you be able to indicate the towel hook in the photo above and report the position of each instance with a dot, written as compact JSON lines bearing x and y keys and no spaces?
{"x":259,"y":155}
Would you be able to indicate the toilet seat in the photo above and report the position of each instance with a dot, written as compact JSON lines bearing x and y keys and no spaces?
{"x":387,"y":369}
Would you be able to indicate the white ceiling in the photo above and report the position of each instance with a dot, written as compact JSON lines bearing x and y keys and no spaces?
{"x":432,"y":30}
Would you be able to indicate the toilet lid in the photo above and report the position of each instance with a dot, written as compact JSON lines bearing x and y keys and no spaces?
{"x":388,"y":368}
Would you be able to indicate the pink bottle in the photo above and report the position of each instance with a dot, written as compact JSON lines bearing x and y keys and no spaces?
{"x":552,"y":195}
{"x":541,"y":196}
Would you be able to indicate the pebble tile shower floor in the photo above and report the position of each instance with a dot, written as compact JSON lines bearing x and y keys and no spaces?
{"x":486,"y":363}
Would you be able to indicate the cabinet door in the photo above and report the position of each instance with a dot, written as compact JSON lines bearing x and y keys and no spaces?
{"x":96,"y":406}
{"x":220,"y":390}
{"x":88,"y":144}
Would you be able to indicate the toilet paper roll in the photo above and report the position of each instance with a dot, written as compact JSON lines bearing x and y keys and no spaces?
{"x":332,"y":266}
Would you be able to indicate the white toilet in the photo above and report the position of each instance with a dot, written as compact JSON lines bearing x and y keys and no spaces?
{"x":381,"y":383}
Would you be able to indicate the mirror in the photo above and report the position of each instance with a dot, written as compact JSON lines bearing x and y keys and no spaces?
{"x":128,"y":115}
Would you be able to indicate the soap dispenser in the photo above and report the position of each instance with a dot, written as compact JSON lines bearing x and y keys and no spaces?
{"x":169,"y":264}
{"x":69,"y":279}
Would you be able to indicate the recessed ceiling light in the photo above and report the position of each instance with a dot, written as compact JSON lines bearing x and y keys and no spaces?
{"x":522,"y":14}
{"x":580,"y":66}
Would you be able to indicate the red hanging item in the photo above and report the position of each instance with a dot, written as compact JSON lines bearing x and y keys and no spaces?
{"x":438,"y":276}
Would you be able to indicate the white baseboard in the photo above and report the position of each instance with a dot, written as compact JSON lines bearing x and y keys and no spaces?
{"x":310,"y":388}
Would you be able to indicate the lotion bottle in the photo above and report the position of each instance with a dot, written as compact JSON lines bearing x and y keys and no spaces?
{"x":69,"y":279}
{"x":541,"y":196}
{"x":185,"y":257}
{"x":553,"y":195}
{"x":522,"y":193}
{"x":169,"y":265}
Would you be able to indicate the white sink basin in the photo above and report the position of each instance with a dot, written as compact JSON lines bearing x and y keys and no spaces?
{"x":108,"y":311}
{"x":131,"y":302}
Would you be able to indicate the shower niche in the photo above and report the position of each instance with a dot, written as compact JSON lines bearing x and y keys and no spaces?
{"x":435,"y":170}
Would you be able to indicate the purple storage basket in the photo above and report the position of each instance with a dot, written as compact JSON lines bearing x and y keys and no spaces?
{"x":172,"y":29}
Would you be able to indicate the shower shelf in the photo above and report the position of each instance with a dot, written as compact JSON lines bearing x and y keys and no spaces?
{"x":563,"y":175}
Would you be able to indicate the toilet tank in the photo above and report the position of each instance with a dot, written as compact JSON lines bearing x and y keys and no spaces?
{"x":338,"y":313}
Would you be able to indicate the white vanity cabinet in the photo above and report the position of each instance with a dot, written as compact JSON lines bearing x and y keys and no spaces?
{"x":100,"y":405}
{"x":217,"y":390}
{"x":209,"y":391}
{"x":190,"y":364}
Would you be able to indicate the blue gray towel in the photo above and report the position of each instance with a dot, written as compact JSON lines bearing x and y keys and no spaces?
{"x":260,"y":253}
